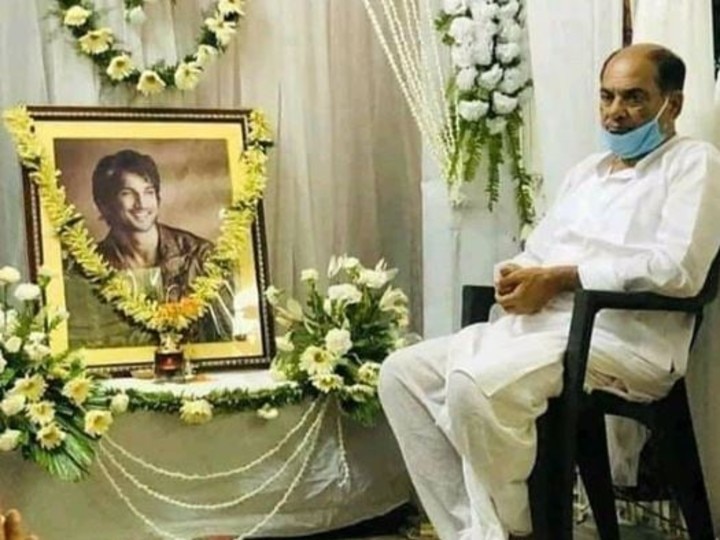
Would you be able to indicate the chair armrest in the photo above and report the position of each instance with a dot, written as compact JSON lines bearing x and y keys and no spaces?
{"x":476,"y":303}
{"x":595,"y":300}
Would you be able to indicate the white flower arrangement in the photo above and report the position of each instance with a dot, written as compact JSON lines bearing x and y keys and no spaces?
{"x":115,"y":65}
{"x":489,"y":82}
{"x":50,"y":409}
{"x":334,"y":343}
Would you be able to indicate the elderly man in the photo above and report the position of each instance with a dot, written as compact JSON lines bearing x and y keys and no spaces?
{"x":640,"y":217}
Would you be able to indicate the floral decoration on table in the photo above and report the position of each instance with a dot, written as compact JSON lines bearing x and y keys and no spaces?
{"x":335,"y":342}
{"x":69,"y":225}
{"x":490,"y":76}
{"x":51,"y":410}
{"x":115,"y":63}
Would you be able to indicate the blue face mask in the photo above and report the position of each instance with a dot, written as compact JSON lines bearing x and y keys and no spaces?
{"x":637,"y":142}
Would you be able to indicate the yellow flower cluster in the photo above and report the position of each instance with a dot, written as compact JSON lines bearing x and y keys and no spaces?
{"x":76,"y":239}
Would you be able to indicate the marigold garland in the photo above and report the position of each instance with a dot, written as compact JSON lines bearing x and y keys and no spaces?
{"x":69,"y":225}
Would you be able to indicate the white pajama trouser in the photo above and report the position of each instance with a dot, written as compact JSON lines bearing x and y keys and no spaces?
{"x":469,"y":446}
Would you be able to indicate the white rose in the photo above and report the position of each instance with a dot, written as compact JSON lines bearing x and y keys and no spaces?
{"x":513,"y":79}
{"x":120,"y":67}
{"x":284,"y":344}
{"x":496,"y":125}
{"x":36,"y":351}
{"x":338,"y":342}
{"x":509,"y":10}
{"x":9,"y":440}
{"x":119,"y":403}
{"x":205,"y":55}
{"x":309,"y":274}
{"x":267,"y":412}
{"x":483,"y":11}
{"x":12,"y":404}
{"x":135,"y":16}
{"x":197,"y":411}
{"x":345,"y":293}
{"x":348,"y":263}
{"x":9,"y":275}
{"x":507,"y":52}
{"x":462,"y":30}
{"x":486,"y":31}
{"x":76,"y":16}
{"x":27,"y":292}
{"x":465,"y":79}
{"x":455,"y":7}
{"x":187,"y":75}
{"x":511,"y":32}
{"x":482,"y":52}
{"x":503,"y":104}
{"x":462,"y":56}
{"x":13,"y":344}
{"x":150,"y":83}
{"x":490,"y":78}
{"x":472,"y":110}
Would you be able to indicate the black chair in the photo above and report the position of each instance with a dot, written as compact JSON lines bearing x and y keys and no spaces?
{"x":576,"y":412}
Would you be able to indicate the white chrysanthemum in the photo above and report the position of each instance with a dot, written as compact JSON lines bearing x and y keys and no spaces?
{"x":374,"y":279}
{"x":462,"y":56}
{"x":368,"y":373}
{"x":27,"y":292}
{"x":284,"y":343}
{"x":120,"y":67}
{"x":187,"y":75}
{"x":513,"y":80}
{"x":462,"y":30}
{"x":12,"y":404}
{"x":205,"y":55}
{"x":455,"y":7}
{"x":360,"y":392}
{"x":9,"y":275}
{"x":483,"y":11}
{"x":511,"y":32}
{"x":13,"y":344}
{"x":50,"y":436}
{"x":32,"y":388}
{"x":507,"y":52}
{"x":41,"y":413}
{"x":503,"y":104}
{"x":227,"y":7}
{"x":496,"y":125}
{"x":77,"y":390}
{"x":327,"y":382}
{"x":268,"y":412}
{"x":490,"y":78}
{"x":150,"y":83}
{"x":119,"y":403}
{"x":315,"y":360}
{"x":136,"y":16}
{"x":309,"y":275}
{"x":272,"y":295}
{"x":338,"y":341}
{"x":196,"y":411}
{"x":486,"y":31}
{"x":509,"y":10}
{"x":76,"y":16}
{"x":344,"y":293}
{"x":9,"y":439}
{"x":465,"y":79}
{"x":223,"y":30}
{"x":472,"y":110}
{"x":392,"y":299}
{"x":96,"y":41}
{"x":97,"y":423}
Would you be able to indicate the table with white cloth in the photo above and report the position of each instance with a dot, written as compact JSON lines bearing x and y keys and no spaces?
{"x":92,"y":509}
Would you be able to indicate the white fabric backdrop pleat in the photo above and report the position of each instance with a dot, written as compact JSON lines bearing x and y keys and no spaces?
{"x":345,"y":173}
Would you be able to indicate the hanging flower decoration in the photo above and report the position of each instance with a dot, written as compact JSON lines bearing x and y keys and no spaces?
{"x":159,"y":317}
{"x":490,"y":77}
{"x":115,"y":64}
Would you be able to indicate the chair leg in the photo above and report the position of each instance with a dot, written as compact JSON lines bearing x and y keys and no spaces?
{"x":594,"y":464}
{"x":680,"y":461}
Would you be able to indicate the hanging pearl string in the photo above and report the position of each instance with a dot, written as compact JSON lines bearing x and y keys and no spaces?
{"x":222,"y":474}
{"x":344,"y":467}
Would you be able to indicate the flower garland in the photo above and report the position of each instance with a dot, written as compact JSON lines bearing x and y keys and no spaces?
{"x":490,"y":79}
{"x":115,"y":64}
{"x":69,"y":225}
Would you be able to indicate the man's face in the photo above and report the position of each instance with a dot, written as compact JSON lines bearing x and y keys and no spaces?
{"x":629,"y":94}
{"x":135,"y":206}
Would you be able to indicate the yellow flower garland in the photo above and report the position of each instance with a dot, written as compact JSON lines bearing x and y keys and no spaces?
{"x":75,"y":238}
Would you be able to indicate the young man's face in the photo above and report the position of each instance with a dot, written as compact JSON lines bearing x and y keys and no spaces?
{"x":135,"y":207}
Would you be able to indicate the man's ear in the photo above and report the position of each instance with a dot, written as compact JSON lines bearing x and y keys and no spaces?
{"x":677,"y":99}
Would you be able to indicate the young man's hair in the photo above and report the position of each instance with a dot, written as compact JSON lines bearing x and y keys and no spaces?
{"x":107,"y":176}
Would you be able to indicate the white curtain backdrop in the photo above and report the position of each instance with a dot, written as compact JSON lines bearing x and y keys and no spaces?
{"x":345,"y":172}
{"x":657,"y":21}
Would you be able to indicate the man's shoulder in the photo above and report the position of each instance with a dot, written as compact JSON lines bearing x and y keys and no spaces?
{"x":692,"y":149}
{"x":181,"y":240}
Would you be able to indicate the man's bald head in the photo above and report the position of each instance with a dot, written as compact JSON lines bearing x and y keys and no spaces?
{"x":669,"y":67}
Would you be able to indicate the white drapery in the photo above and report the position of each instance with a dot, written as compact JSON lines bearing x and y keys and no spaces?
{"x":657,"y":21}
{"x":345,"y":170}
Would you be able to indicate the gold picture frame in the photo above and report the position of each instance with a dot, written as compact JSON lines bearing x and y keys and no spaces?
{"x":196,"y":155}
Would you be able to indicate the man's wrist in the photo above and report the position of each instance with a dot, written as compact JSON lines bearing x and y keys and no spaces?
{"x":564,"y":278}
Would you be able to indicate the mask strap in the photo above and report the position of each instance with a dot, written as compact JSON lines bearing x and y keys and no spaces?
{"x":662,"y":109}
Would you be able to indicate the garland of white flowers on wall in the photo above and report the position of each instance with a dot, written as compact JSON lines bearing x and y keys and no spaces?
{"x":115,"y":64}
{"x":160,"y":317}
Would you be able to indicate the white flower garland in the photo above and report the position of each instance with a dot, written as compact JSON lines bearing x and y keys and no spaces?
{"x":115,"y":64}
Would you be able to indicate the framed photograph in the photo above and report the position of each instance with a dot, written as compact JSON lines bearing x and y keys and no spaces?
{"x":152,"y":187}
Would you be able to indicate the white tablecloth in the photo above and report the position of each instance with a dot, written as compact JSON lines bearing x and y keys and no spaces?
{"x":92,"y":510}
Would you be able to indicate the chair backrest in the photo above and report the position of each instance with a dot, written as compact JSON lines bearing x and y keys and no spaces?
{"x":708,"y":293}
